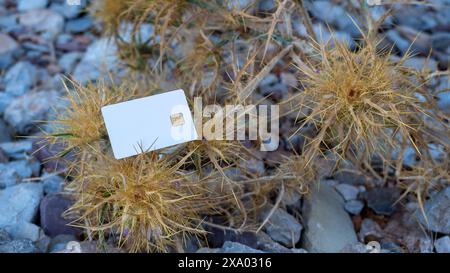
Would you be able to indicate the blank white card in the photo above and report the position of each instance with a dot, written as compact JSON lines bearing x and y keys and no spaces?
{"x":149,"y":123}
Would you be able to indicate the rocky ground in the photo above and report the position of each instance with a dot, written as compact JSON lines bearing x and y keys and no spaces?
{"x":42,"y":40}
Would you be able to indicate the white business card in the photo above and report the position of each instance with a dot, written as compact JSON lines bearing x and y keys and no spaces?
{"x":149,"y":123}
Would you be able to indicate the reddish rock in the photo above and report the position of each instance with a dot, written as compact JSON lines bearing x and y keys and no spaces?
{"x":52,"y":222}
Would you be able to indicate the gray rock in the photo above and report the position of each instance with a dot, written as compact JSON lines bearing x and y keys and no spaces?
{"x":25,"y":168}
{"x":18,"y":246}
{"x":12,"y":173}
{"x":32,"y":107}
{"x":19,"y":203}
{"x":354,"y":248}
{"x":51,"y":209}
{"x":46,"y":152}
{"x":444,"y":101}
{"x":8,"y":22}
{"x":437,"y":211}
{"x":20,"y":78}
{"x":419,"y":42}
{"x":5,"y":135}
{"x":441,"y":41}
{"x":348,"y":176}
{"x":333,"y":14}
{"x":230,"y":247}
{"x":5,"y":101}
{"x":238,"y":4}
{"x":382,"y":200}
{"x":100,"y":57}
{"x":4,"y":236}
{"x":391,"y":247}
{"x":17,"y":149}
{"x":328,"y":227}
{"x":8,"y":46}
{"x":79,"y":25}
{"x":282,"y":227}
{"x":442,"y":245}
{"x":324,"y":36}
{"x":253,"y":166}
{"x":347,"y":191}
{"x":417,"y":17}
{"x":266,"y":244}
{"x":52,"y":183}
{"x":25,"y":5}
{"x":144,"y":33}
{"x":24,"y":230}
{"x":64,"y":38}
{"x":8,"y":177}
{"x":69,"y":60}
{"x":69,"y":11}
{"x":420,"y":63}
{"x":354,"y":206}
{"x":43,"y":243}
{"x":267,"y":5}
{"x":234,"y":247}
{"x":291,"y":197}
{"x":3,"y":158}
{"x":370,"y":231}
{"x":44,"y":22}
{"x":59,"y":242}
{"x":401,"y":43}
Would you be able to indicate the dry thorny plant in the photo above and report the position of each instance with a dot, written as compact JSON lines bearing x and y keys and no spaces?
{"x":360,"y":103}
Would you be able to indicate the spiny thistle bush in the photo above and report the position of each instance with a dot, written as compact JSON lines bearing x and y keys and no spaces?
{"x":144,"y":202}
{"x":363,"y":106}
{"x":149,"y":202}
{"x":361,"y":102}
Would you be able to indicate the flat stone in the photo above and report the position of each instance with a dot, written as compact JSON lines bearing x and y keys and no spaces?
{"x":20,"y":78}
{"x":25,"y":230}
{"x":52,"y":222}
{"x":17,"y":149}
{"x":442,"y":245}
{"x":8,"y":46}
{"x":4,"y":236}
{"x":328,"y":227}
{"x":437,"y":211}
{"x":18,"y":246}
{"x":370,"y":231}
{"x":69,"y":60}
{"x":354,"y":206}
{"x":25,"y":5}
{"x":230,"y":247}
{"x":69,"y":11}
{"x":47,"y":152}
{"x":79,"y":25}
{"x":100,"y":57}
{"x":23,"y":168}
{"x":382,"y":200}
{"x":5,"y":134}
{"x":59,"y":242}
{"x":5,"y":101}
{"x":444,"y":101}
{"x":347,"y":191}
{"x":24,"y":111}
{"x":8,"y":177}
{"x":217,"y":237}
{"x":282,"y":227}
{"x":52,"y":183}
{"x":44,"y":22}
{"x":20,"y":203}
